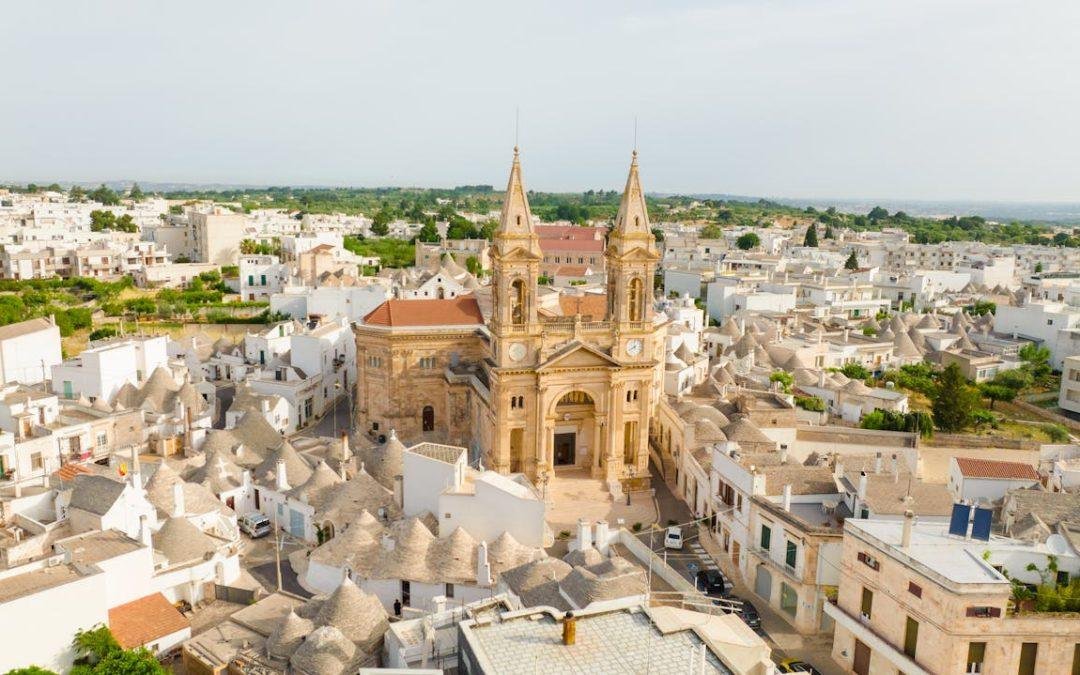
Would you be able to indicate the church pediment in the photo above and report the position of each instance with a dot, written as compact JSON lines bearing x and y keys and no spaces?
{"x":517,"y":253}
{"x":636,"y":254}
{"x":578,"y":355}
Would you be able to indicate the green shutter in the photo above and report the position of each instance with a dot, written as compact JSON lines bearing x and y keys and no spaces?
{"x":766,"y":537}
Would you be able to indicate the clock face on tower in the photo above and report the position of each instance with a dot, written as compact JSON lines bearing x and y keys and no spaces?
{"x":516,"y":351}
{"x":634,"y":347}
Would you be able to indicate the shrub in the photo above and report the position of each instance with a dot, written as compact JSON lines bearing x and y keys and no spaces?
{"x":103,"y":332}
{"x":811,"y":403}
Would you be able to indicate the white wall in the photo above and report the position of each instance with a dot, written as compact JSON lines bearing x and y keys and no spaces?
{"x":37,"y":629}
{"x":424,"y":480}
{"x":492,"y":511}
{"x":29,"y":358}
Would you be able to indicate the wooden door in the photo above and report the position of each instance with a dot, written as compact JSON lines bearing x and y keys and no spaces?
{"x":862,"y":659}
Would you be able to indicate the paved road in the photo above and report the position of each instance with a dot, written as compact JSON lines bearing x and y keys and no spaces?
{"x":257,"y":558}
{"x":329,"y":425}
{"x":224,"y":396}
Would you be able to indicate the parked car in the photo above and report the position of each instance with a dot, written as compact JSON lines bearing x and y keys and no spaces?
{"x":713,"y":583}
{"x":673,"y":538}
{"x":254,"y":525}
{"x":797,"y":666}
{"x":747,"y":612}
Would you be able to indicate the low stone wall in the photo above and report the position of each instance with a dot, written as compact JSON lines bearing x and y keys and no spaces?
{"x":854,"y":436}
{"x":940,"y":440}
{"x":1050,"y":416}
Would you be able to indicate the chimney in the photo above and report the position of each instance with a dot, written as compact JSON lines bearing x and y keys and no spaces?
{"x":188,"y":444}
{"x":15,"y":479}
{"x":136,"y":471}
{"x":264,"y":405}
{"x":399,"y":492}
{"x":388,"y":542}
{"x":905,"y":537}
{"x":569,"y":629}
{"x":179,"y":507}
{"x":783,"y":453}
{"x":144,"y":531}
{"x":282,"y":482}
{"x":245,"y":478}
{"x":877,"y":463}
{"x":584,"y":535}
{"x":600,"y":541}
{"x":821,"y":379}
{"x":483,"y":567}
{"x":895,"y":469}
{"x":862,"y":486}
{"x":786,"y":499}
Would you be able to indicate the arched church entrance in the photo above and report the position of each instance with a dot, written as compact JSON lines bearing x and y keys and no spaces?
{"x":575,"y":416}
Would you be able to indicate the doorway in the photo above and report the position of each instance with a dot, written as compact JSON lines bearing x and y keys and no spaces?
{"x":428,"y":418}
{"x":862,"y":659}
{"x":565,"y":445}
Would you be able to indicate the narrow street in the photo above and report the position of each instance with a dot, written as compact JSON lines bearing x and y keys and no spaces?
{"x":337,"y":419}
{"x":699,"y":553}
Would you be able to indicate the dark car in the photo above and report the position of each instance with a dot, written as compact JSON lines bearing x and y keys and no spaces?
{"x":748,"y":613}
{"x":741,"y":608}
{"x":712,"y":582}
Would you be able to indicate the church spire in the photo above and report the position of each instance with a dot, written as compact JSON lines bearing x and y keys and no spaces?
{"x":633,"y":216}
{"x":516,"y":220}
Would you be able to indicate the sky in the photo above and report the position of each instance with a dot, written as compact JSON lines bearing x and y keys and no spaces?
{"x":913,"y":99}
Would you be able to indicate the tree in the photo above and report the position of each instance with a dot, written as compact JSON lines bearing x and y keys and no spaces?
{"x":711,"y":231}
{"x":135,"y":194}
{"x":98,"y":653}
{"x":30,"y":670}
{"x":76,"y":194}
{"x":428,"y":233}
{"x":852,"y":262}
{"x":472,"y":263}
{"x":855,"y":371}
{"x":955,"y":400}
{"x":997,"y":392}
{"x":1017,"y":379}
{"x":126,"y":223}
{"x":877,"y":213}
{"x":811,"y":236}
{"x":657,"y":234}
{"x":748,"y":241}
{"x":1038,"y":268}
{"x":104,"y":195}
{"x":828,"y":231}
{"x":102,"y":220}
{"x":1036,"y":360}
{"x":380,"y":224}
{"x":785,"y":379}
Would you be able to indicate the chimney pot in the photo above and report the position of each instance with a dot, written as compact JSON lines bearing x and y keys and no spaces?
{"x":569,"y":629}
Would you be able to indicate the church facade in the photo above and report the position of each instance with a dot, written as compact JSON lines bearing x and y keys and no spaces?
{"x":528,"y":392}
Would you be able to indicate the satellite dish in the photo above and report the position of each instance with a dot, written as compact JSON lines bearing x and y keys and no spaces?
{"x":1057,"y":544}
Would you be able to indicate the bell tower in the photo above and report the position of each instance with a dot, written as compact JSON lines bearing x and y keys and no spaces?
{"x":515,"y":258}
{"x":631,"y":259}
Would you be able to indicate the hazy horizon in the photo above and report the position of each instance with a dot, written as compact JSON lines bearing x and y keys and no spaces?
{"x":824,"y":100}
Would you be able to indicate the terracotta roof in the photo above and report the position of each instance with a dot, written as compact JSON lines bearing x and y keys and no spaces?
{"x":568,"y":232}
{"x":592,"y":305}
{"x":571,"y":270}
{"x":583,"y":245}
{"x":992,"y":468}
{"x":454,"y":312}
{"x":142,"y":621}
{"x":68,"y":472}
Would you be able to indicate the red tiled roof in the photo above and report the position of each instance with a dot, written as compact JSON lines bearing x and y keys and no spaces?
{"x":592,"y":306}
{"x":992,"y":468}
{"x":68,"y":472}
{"x":453,"y":312}
{"x":571,"y":270}
{"x":583,"y":245}
{"x":569,"y":232}
{"x":142,"y":621}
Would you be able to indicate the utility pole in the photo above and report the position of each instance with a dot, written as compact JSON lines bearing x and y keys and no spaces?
{"x":277,"y":550}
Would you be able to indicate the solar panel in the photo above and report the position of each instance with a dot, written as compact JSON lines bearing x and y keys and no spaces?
{"x":959,"y":521}
{"x":981,"y":528}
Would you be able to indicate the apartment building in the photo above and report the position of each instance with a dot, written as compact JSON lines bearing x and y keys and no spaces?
{"x":916,"y":599}
{"x":1055,"y":325}
{"x":216,"y":235}
{"x":1069,"y":398}
{"x":261,"y":276}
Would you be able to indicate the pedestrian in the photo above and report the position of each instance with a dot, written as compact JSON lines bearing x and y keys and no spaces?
{"x":397,"y":607}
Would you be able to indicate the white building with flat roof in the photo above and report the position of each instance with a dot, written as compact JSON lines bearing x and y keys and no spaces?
{"x":28,"y":350}
{"x":100,"y":372}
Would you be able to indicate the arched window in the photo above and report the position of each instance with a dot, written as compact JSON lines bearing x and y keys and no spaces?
{"x":634,"y":299}
{"x":428,"y":418}
{"x":517,"y":302}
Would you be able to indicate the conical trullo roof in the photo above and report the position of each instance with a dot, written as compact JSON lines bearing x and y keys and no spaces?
{"x":288,"y":636}
{"x":358,"y":615}
{"x":387,"y":461}
{"x":297,"y":469}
